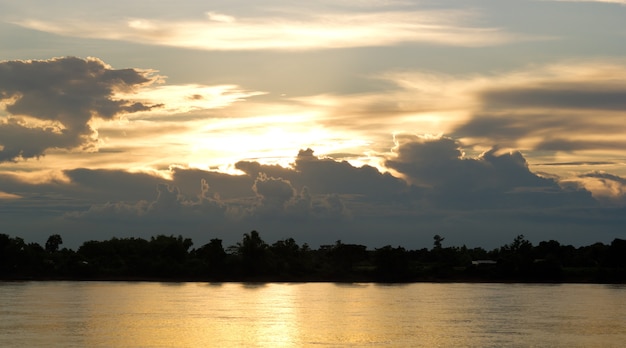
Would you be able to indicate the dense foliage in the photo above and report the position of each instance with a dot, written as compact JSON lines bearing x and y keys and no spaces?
{"x":252,"y":259}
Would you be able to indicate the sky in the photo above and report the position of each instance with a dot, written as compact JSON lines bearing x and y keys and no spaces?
{"x":367,"y":121}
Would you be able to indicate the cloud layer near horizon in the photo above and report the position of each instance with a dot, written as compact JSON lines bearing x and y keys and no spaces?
{"x":319,"y":200}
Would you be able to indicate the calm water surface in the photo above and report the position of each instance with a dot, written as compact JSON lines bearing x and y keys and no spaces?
{"x":126,"y":314}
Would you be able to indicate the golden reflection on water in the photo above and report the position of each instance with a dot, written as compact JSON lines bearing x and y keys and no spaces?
{"x":194,"y":315}
{"x":272,"y":315}
{"x":118,"y":314}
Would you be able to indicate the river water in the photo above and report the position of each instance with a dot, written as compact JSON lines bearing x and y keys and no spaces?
{"x":136,"y":314}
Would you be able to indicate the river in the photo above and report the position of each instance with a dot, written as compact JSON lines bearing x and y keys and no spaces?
{"x":144,"y":314}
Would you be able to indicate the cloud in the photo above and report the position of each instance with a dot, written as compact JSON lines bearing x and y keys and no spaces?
{"x":219,"y":17}
{"x":437,"y":174}
{"x":64,"y":106}
{"x":267,"y":198}
{"x":314,"y":188}
{"x":436,"y":188}
{"x":288,"y":30}
{"x":279,"y":199}
{"x":109,"y":185}
{"x":578,"y":163}
{"x":274,"y":193}
{"x":179,"y":99}
{"x":566,"y":106}
{"x":481,"y":111}
{"x":169,"y":205}
{"x":327,"y":176}
{"x":570,"y":95}
{"x":495,"y":178}
{"x":4,"y":195}
{"x":51,"y":103}
{"x":606,"y":187}
{"x":563,"y":110}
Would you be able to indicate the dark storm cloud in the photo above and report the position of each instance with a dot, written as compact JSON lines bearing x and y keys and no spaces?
{"x":109,"y":185}
{"x":18,"y":141}
{"x":315,"y":188}
{"x":63,"y":95}
{"x":328,"y":176}
{"x":222,"y":185}
{"x":439,"y":176}
{"x":492,"y":180}
{"x":492,"y":197}
{"x":279,"y":199}
{"x":85,"y":185}
{"x":169,"y":205}
{"x":439,"y":163}
{"x":268,"y":198}
{"x":274,"y":192}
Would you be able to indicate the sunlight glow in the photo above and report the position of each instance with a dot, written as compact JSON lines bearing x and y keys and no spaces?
{"x":268,"y":139}
{"x":191,"y":97}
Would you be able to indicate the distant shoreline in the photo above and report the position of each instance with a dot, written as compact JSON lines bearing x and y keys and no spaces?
{"x":171,"y":259}
{"x":270,"y":280}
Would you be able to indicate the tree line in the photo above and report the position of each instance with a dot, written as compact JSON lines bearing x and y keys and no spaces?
{"x":172,"y":258}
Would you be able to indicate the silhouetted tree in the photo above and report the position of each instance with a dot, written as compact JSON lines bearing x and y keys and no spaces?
{"x":591,"y":255}
{"x":53,"y":242}
{"x":437,"y":241}
{"x":168,"y":257}
{"x":516,"y":258}
{"x":19,"y":259}
{"x":392,"y":264}
{"x":213,"y":255}
{"x":118,"y":257}
{"x":253,"y":252}
{"x":616,"y":254}
{"x":288,"y":260}
{"x":344,"y":257}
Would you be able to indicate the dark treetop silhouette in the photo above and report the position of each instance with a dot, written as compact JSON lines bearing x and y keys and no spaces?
{"x":172,"y":258}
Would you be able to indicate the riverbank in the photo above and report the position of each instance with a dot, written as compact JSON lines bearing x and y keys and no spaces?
{"x":169,"y":258}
